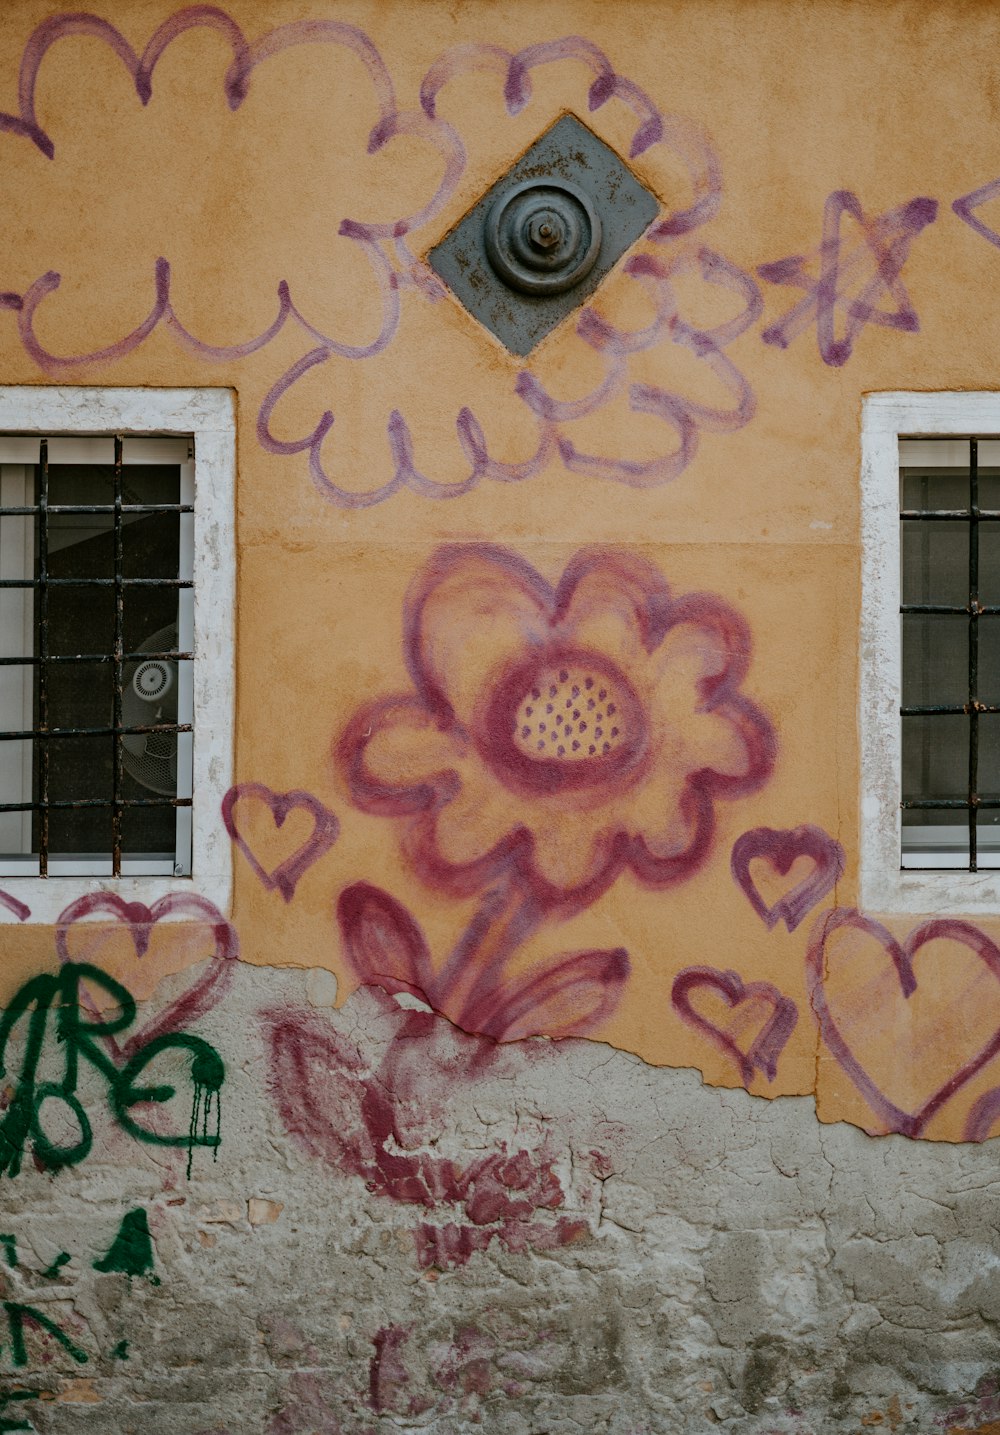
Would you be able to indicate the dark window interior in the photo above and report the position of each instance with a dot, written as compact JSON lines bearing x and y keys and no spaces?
{"x":81,"y":620}
{"x":950,"y":617}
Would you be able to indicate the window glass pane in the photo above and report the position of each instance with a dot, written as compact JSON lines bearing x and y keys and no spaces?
{"x":917,"y":820}
{"x":16,"y":687}
{"x":81,"y":545}
{"x":17,"y":546}
{"x":151,"y":483}
{"x":150,"y":619}
{"x":148,"y":830}
{"x":935,"y":757}
{"x":988,"y":824}
{"x":935,"y":562}
{"x":73,"y":483}
{"x":149,"y":759}
{"x":150,"y":545}
{"x":927,"y":489}
{"x":989,"y":661}
{"x":15,"y":786}
{"x":81,"y":619}
{"x":989,"y":487}
{"x":935,"y":659}
{"x":930,"y":488}
{"x":934,"y":476}
{"x":76,"y":483}
{"x":989,"y":761}
{"x":989,"y":563}
{"x":80,"y":694}
{"x":79,"y":768}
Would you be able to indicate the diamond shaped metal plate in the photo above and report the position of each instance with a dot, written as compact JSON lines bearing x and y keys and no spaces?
{"x":501,"y":260}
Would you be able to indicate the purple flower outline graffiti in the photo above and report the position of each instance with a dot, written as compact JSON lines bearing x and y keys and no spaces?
{"x":395,"y":268}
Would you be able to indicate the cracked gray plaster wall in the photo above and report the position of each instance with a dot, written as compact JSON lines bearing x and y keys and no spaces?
{"x":684,"y":1259}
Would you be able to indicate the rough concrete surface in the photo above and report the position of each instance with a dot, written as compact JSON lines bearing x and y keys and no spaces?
{"x":408,"y":1228}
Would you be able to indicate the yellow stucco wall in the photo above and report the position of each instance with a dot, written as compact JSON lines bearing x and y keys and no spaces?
{"x":791,"y":102}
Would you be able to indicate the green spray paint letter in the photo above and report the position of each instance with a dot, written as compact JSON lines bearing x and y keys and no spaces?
{"x":52,"y":1008}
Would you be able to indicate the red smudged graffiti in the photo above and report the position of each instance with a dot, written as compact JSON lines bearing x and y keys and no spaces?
{"x":13,"y":904}
{"x":967,"y":205}
{"x":569,"y":996}
{"x":198,"y":919}
{"x":556,"y":738}
{"x":377,"y":1123}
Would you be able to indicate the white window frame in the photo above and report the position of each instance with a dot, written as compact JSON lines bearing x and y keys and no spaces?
{"x":207,"y":418}
{"x":885,"y":886}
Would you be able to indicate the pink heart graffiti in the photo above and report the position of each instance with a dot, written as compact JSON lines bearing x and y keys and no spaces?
{"x":21,"y":912}
{"x":139,"y":920}
{"x":982,"y":1116}
{"x":286,"y":876}
{"x":780,"y":849}
{"x":901,"y":955}
{"x":765,"y":1049}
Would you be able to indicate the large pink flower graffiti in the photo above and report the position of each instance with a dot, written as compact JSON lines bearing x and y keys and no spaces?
{"x":559,"y":736}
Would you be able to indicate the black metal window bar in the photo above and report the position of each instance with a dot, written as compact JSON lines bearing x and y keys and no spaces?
{"x":973,"y":708}
{"x":117,"y":802}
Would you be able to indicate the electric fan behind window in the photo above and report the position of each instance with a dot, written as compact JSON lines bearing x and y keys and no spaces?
{"x":149,"y":696}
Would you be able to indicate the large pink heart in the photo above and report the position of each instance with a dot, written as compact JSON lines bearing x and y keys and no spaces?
{"x":286,"y":875}
{"x":139,"y":920}
{"x":765,"y":1049}
{"x":901,"y":955}
{"x":780,"y":849}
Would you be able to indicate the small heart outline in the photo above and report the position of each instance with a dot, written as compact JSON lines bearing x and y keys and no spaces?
{"x":780,"y":847}
{"x":767,"y":1046}
{"x":286,"y":876}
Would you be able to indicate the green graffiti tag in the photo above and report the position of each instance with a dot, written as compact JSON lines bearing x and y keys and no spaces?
{"x":7,"y":1423}
{"x":53,"y":1002}
{"x":130,"y":1253}
{"x":132,"y":1248}
{"x":17,"y":1314}
{"x":62,"y":1259}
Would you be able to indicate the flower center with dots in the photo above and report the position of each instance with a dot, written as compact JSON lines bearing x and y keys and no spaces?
{"x":570,"y":714}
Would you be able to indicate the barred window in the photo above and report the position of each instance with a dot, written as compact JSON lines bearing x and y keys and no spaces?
{"x":116,"y":573}
{"x":96,"y":651}
{"x":929,"y":655}
{"x":950,"y":615}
